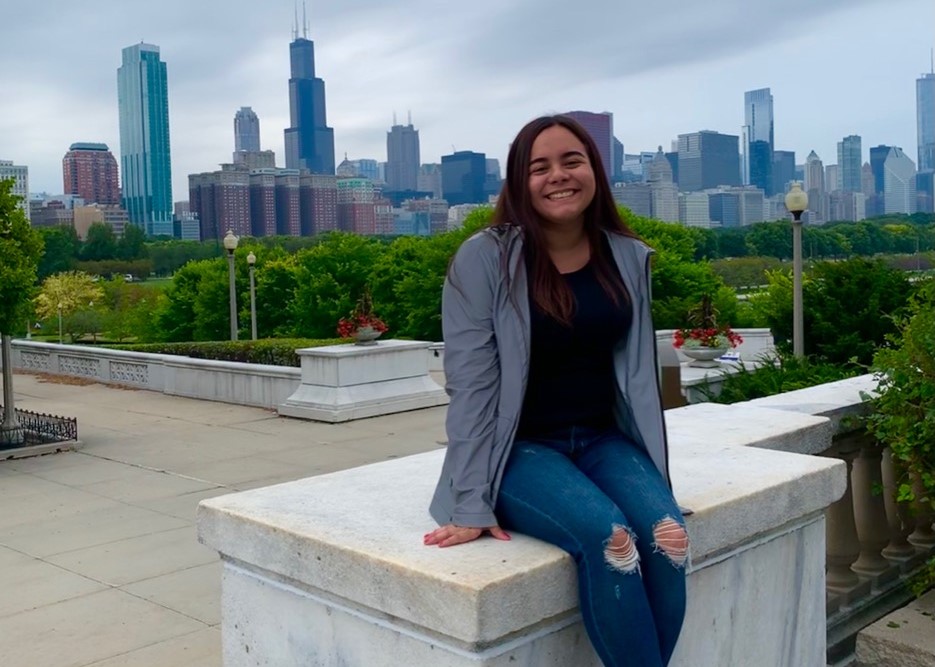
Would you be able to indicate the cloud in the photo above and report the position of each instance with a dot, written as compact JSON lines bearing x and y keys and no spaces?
{"x":471,"y":73}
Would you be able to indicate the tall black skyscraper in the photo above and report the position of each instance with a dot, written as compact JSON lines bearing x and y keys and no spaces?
{"x":708,"y":159}
{"x":463,"y":176}
{"x":309,"y":142}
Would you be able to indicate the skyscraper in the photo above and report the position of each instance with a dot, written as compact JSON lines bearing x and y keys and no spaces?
{"x":899,"y":182}
{"x":665,"y":194}
{"x":875,"y":199}
{"x":708,"y":159}
{"x":309,"y":140}
{"x":759,"y":143}
{"x":815,"y":188}
{"x":90,"y":172}
{"x":783,"y":170}
{"x":925,"y":120}
{"x":601,"y":128}
{"x":463,"y":176}
{"x":246,"y":130}
{"x":143,"y":100}
{"x":849,"y":164}
{"x":402,"y":158}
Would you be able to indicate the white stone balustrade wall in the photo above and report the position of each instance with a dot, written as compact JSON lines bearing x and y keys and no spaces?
{"x":225,"y":381}
{"x":873,"y":544}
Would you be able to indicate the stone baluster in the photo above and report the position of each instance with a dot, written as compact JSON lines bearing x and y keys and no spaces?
{"x":842,"y":547}
{"x":897,"y":514}
{"x":869,"y":510}
{"x":923,"y":536}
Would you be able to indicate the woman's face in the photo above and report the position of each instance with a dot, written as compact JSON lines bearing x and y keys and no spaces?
{"x":561,"y":180}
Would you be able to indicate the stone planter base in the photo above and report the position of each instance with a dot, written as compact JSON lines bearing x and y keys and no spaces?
{"x":704,"y":357}
{"x":345,"y":382}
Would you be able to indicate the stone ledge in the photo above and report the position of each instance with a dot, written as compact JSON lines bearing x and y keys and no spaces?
{"x":750,"y":426}
{"x":357,"y":534}
{"x":837,"y":401}
{"x":905,"y":637}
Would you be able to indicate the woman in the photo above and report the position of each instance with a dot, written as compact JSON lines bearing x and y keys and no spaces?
{"x":555,"y":424}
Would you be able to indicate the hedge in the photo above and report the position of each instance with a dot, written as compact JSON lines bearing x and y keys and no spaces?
{"x":272,"y":351}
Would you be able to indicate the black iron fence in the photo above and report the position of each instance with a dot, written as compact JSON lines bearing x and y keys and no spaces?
{"x":36,"y":429}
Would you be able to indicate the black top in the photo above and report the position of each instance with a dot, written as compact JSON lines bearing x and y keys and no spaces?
{"x":571,"y":373}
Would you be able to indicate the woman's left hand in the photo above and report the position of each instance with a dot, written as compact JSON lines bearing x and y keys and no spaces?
{"x":450,"y":535}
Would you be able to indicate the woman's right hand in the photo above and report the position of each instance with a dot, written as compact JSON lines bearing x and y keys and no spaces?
{"x":450,"y":535}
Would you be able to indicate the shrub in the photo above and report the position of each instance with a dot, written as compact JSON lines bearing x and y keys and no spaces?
{"x":272,"y":351}
{"x":777,"y":375}
{"x":903,"y":418}
{"x":848,"y":308}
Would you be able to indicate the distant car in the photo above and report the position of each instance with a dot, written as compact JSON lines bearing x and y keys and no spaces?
{"x":128,"y":277}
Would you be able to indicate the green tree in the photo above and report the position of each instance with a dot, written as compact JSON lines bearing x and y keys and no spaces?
{"x":169,"y":256}
{"x":330,"y":277}
{"x":67,"y":293}
{"x":100,"y":244}
{"x":123,"y":305}
{"x":679,"y":278}
{"x":175,"y":317}
{"x":20,"y":250}
{"x":744,"y":271}
{"x":848,"y":307}
{"x":132,"y":245}
{"x":770,"y":239}
{"x":61,"y":245}
{"x":731,"y":242}
{"x":275,"y":292}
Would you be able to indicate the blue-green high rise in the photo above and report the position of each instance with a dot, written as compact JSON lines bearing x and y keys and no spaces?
{"x":146,"y":166}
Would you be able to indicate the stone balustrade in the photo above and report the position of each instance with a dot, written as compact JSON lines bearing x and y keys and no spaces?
{"x":873,"y":544}
{"x":226,"y":381}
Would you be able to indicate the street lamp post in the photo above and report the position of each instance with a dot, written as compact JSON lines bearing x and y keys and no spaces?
{"x":230,"y":244}
{"x":59,"y":322}
{"x":796,"y":203}
{"x":10,"y":431}
{"x":251,"y":261}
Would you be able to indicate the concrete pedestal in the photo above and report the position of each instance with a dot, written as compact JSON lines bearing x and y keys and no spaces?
{"x":345,"y":382}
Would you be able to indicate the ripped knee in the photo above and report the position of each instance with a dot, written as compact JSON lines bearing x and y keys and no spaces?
{"x":620,"y":550}
{"x":672,"y":540}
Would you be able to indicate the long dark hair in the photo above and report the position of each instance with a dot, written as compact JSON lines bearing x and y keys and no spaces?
{"x":550,"y":294}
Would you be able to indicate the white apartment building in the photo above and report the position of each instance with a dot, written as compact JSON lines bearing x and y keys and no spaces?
{"x":20,"y":176}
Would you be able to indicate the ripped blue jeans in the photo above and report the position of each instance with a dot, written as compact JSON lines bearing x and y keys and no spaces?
{"x":598,"y":496}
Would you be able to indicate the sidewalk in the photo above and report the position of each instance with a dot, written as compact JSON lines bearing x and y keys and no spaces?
{"x":99,"y":563}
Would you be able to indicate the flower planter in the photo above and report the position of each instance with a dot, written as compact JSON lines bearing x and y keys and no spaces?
{"x":704,"y":357}
{"x":366,"y":336}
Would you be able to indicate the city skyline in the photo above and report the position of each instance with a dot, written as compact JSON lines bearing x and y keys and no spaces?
{"x":661,"y":80}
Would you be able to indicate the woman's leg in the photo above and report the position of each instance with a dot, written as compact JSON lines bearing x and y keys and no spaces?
{"x":625,"y":473}
{"x":544,"y":495}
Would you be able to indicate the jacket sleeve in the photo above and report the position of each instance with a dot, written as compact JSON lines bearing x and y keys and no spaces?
{"x":472,"y":377}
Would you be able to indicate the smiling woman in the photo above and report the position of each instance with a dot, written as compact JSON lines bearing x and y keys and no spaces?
{"x":555,"y":425}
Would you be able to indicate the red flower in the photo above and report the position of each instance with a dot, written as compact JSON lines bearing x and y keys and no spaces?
{"x":706,"y":337}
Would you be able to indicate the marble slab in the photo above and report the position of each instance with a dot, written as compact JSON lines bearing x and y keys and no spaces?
{"x":357,"y":534}
{"x":385,"y":600}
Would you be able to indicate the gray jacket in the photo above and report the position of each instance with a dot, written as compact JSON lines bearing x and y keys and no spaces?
{"x":486,"y":326}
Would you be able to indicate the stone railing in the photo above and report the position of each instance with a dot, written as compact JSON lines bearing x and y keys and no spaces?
{"x":225,"y":381}
{"x":873,"y":544}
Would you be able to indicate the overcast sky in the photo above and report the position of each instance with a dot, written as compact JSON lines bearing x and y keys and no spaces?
{"x":472,"y":73}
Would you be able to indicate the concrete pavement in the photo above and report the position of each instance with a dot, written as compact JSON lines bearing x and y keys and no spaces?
{"x":99,"y":563}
